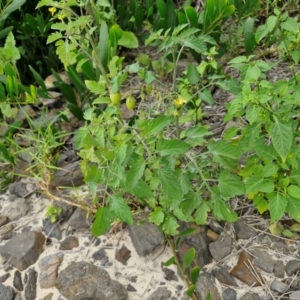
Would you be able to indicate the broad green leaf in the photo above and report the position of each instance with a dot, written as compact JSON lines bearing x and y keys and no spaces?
{"x":121,"y":209}
{"x":192,"y":74}
{"x":290,"y":24}
{"x":257,"y":184}
{"x":229,"y":10}
{"x":171,"y":186}
{"x":277,"y":205}
{"x":293,"y":208}
{"x":294,"y":191}
{"x":102,"y":46}
{"x":162,"y":8}
{"x":190,"y":203}
{"x":269,"y":170}
{"x":230,"y":185}
{"x":195,"y":135}
{"x":295,"y":175}
{"x":157,"y":216}
{"x":191,"y":15}
{"x":54,"y":36}
{"x":188,"y":258}
{"x":142,"y":190}
{"x":103,"y":219}
{"x":250,"y":42}
{"x":202,"y":213}
{"x":194,"y":274}
{"x":121,"y":151}
{"x":195,"y":43}
{"x":261,"y":32}
{"x":171,"y":147}
{"x":238,"y":60}
{"x":68,"y":93}
{"x":282,"y":138}
{"x":156,"y":125}
{"x":95,"y":87}
{"x":271,"y":22}
{"x":223,"y":212}
{"x":170,"y":225}
{"x":287,"y":233}
{"x":128,"y":40}
{"x":136,"y":172}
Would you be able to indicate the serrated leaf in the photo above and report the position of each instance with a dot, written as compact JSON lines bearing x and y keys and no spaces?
{"x":201,"y":213}
{"x":230,"y":185}
{"x":194,"y":274}
{"x":170,"y":225}
{"x":293,"y":208}
{"x":101,"y":224}
{"x":188,"y":258}
{"x":66,"y":52}
{"x":121,"y":209}
{"x":195,"y":43}
{"x":277,"y":205}
{"x":290,"y":24}
{"x":195,"y":135}
{"x":157,"y":216}
{"x":142,"y":190}
{"x":53,"y":37}
{"x":294,"y":191}
{"x":190,"y":203}
{"x":261,"y":32}
{"x":172,"y":147}
{"x":95,"y":87}
{"x":10,"y":49}
{"x":282,"y":137}
{"x":223,"y":212}
{"x":156,"y":125}
{"x":258,"y":184}
{"x":136,"y":172}
{"x":269,"y":170}
{"x":121,"y":151}
{"x":192,"y":74}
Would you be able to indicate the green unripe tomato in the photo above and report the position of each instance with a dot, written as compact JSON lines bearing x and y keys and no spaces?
{"x":115,"y":98}
{"x":130,"y":102}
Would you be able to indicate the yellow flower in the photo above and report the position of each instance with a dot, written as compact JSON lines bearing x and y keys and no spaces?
{"x":61,"y":16}
{"x":52,"y":10}
{"x":179,"y":101}
{"x":175,"y":113}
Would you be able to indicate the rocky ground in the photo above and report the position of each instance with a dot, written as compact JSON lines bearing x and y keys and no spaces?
{"x":62,"y":260}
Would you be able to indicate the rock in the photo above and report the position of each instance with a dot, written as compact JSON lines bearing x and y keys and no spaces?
{"x":131,"y":288}
{"x":66,"y":209}
{"x":292,"y":267}
{"x":24,"y":249}
{"x":18,"y":188}
{"x":49,"y":269}
{"x":197,"y":240}
{"x":279,"y":286}
{"x":123,"y":254}
{"x":279,"y":269}
{"x":51,"y":230}
{"x":162,"y":293}
{"x":263,"y":261}
{"x":229,"y":294}
{"x":295,"y":295}
{"x":82,"y":280}
{"x":6,"y":292}
{"x":102,"y":256}
{"x":169,"y":274}
{"x":18,"y":297}
{"x":17,"y":209}
{"x":205,"y":285}
{"x":48,"y":297}
{"x":211,"y":235}
{"x":17,"y":282}
{"x":78,"y":219}
{"x":146,"y":239}
{"x":249,"y":296}
{"x":224,"y":276}
{"x":221,"y":247}
{"x":30,"y":288}
{"x":69,"y":243}
{"x":243,"y":231}
{"x":3,"y":220}
{"x":4,"y":277}
{"x":241,"y":271}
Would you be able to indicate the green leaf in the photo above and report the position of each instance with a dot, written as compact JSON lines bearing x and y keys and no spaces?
{"x":136,"y":171}
{"x":188,"y":258}
{"x":153,"y":127}
{"x":190,"y":203}
{"x":277,"y":205}
{"x":195,"y":43}
{"x":294,"y":191}
{"x":269,"y":170}
{"x":10,"y":49}
{"x":68,"y":92}
{"x":170,"y":261}
{"x":257,"y":184}
{"x":170,"y":225}
{"x":230,"y":185}
{"x":223,"y":212}
{"x":66,"y":52}
{"x":229,"y":10}
{"x":287,"y":233}
{"x":162,"y":8}
{"x":142,"y":190}
{"x":95,"y":87}
{"x":293,"y":208}
{"x":121,"y":209}
{"x":261,"y":32}
{"x":102,"y":46}
{"x":192,"y":74}
{"x":202,"y":213}
{"x":290,"y":24}
{"x":76,"y":79}
{"x":171,"y":186}
{"x":54,"y":36}
{"x":121,"y":151}
{"x":76,"y":111}
{"x":192,"y":16}
{"x":194,"y":274}
{"x":128,"y":40}
{"x":282,"y":138}
{"x":157,"y":216}
{"x":186,"y":232}
{"x":103,"y":219}
{"x":271,"y":22}
{"x":171,"y":147}
{"x":190,"y":291}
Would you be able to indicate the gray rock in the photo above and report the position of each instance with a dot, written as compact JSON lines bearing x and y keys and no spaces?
{"x":17,"y":209}
{"x":162,"y":293}
{"x":17,"y":282}
{"x":279,"y":286}
{"x":146,"y":239}
{"x":18,"y":297}
{"x":295,"y":295}
{"x":3,"y":220}
{"x":6,"y":292}
{"x":243,"y":231}
{"x":24,"y":249}
{"x":292,"y":267}
{"x":49,"y":269}
{"x":229,"y":294}
{"x":51,"y":230}
{"x":69,"y":243}
{"x":279,"y":269}
{"x":224,"y":276}
{"x":30,"y":287}
{"x":263,"y":261}
{"x":82,"y":280}
{"x":249,"y":296}
{"x":205,"y":285}
{"x":48,"y":297}
{"x":18,"y":188}
{"x":221,"y":247}
{"x":4,"y":277}
{"x":78,"y":219}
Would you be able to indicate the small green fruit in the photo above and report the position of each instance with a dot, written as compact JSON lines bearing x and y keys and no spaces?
{"x":115,"y":98}
{"x":130,"y":102}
